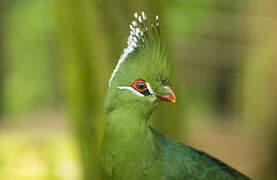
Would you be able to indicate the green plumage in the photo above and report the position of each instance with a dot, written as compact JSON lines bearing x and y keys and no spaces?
{"x":130,"y":148}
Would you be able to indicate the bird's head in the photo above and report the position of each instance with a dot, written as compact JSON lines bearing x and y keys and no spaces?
{"x":140,"y":79}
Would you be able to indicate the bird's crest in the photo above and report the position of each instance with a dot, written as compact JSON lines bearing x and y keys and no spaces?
{"x":142,"y":34}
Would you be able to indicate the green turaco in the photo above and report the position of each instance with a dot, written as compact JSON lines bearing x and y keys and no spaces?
{"x":132,"y":150}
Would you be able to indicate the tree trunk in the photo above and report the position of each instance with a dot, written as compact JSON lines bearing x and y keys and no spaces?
{"x":81,"y":69}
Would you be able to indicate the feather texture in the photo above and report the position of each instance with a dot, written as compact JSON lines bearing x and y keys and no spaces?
{"x":130,"y":148}
{"x":139,"y":36}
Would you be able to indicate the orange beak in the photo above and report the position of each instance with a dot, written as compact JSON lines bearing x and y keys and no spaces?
{"x":169,"y":97}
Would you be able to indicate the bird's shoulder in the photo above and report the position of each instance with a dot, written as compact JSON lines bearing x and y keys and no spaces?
{"x":179,"y":160}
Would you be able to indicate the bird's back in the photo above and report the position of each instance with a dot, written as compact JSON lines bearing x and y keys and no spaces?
{"x":184,"y":162}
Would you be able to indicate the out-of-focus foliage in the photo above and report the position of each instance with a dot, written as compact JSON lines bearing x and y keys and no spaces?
{"x":29,"y":56}
{"x":260,"y":82}
{"x":56,"y":58}
{"x":81,"y":78}
{"x":26,"y":155}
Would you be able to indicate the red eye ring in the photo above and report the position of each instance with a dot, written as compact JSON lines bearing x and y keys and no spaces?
{"x":139,"y":85}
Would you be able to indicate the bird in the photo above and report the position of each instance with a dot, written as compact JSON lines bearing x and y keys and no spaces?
{"x":131,"y":149}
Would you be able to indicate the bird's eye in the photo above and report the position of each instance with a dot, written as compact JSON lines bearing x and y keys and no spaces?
{"x":139,"y":85}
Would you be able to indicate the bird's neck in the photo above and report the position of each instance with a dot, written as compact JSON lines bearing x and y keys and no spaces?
{"x":126,"y":124}
{"x":127,"y":138}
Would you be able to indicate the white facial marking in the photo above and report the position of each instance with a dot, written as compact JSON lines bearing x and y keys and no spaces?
{"x":131,"y":89}
{"x":136,"y":92}
{"x":149,"y":88}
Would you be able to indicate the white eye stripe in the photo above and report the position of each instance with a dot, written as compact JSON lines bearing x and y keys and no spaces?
{"x":132,"y":90}
{"x":136,"y":92}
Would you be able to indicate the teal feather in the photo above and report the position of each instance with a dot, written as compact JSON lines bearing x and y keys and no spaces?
{"x":184,"y":162}
{"x":130,"y":148}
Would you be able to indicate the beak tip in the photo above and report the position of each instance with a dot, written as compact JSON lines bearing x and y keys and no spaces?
{"x":170,"y":97}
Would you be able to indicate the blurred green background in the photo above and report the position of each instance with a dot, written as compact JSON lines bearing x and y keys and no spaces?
{"x":56,"y":57}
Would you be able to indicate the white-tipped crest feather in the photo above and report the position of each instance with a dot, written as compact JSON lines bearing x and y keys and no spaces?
{"x":133,"y":40}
